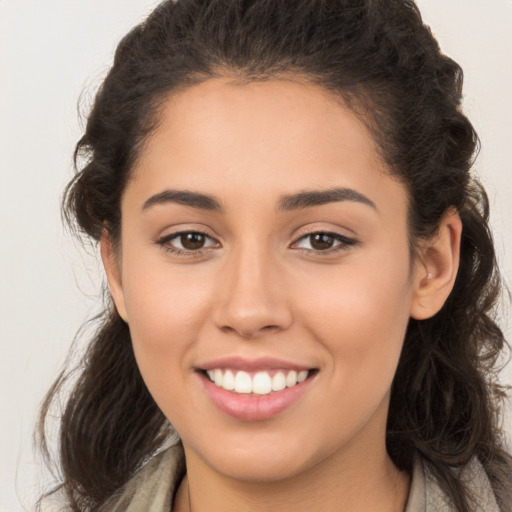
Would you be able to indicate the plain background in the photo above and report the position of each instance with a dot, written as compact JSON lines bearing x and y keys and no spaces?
{"x":54,"y":51}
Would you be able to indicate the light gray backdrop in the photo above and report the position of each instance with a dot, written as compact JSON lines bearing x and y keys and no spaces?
{"x":52,"y":51}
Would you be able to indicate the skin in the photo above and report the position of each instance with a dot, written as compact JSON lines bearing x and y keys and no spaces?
{"x":262,"y":288}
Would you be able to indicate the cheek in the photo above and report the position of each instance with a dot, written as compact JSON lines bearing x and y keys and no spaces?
{"x":166,"y":311}
{"x":360,"y":315}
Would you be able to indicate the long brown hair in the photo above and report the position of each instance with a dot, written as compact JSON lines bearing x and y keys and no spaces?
{"x":380,"y":58}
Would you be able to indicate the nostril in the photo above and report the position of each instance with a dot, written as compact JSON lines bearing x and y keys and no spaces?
{"x":270,"y":328}
{"x":248,"y":332}
{"x":251,"y":317}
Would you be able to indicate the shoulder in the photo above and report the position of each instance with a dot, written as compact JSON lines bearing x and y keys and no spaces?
{"x":426,"y":495}
{"x":153,"y":486}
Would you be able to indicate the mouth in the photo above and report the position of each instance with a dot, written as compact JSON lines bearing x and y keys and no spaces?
{"x":263,"y":382}
{"x":255,"y":393}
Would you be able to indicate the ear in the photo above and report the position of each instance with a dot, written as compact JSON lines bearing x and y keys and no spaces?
{"x":436,"y":268}
{"x":111,"y":264}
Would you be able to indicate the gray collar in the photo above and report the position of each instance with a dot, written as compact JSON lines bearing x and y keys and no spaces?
{"x":152,"y":489}
{"x":427,"y":496}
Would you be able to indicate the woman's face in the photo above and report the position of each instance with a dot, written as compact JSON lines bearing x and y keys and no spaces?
{"x":263,"y":241}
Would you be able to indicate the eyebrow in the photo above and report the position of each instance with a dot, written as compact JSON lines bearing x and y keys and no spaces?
{"x":291,"y":202}
{"x":185,"y":197}
{"x":310,"y":198}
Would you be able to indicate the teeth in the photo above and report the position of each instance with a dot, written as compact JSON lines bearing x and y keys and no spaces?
{"x":243,"y":382}
{"x":301,"y":376}
{"x":291,"y":379}
{"x":229,"y":381}
{"x":260,"y":383}
{"x":278,"y":381}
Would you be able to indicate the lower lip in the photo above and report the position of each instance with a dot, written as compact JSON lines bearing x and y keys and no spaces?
{"x":252,"y":407}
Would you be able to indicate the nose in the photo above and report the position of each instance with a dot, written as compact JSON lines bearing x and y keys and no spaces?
{"x":252,"y":300}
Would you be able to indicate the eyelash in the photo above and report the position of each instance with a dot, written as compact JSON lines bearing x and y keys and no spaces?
{"x":164,"y":241}
{"x":344,"y":245}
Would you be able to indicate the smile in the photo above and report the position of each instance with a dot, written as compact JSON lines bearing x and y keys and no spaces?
{"x":259,"y":383}
{"x":255,"y":390}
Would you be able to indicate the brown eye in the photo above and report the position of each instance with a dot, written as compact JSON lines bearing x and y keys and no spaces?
{"x":321,"y":241}
{"x":187,"y":243}
{"x":192,"y":241}
{"x":324,"y":242}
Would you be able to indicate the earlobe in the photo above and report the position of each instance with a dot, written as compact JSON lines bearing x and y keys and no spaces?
{"x":436,"y":268}
{"x":113,"y":272}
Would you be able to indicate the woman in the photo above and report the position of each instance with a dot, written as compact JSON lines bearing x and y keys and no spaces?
{"x":300,"y":265}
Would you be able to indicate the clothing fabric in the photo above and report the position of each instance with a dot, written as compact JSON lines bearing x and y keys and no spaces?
{"x":426,"y":495}
{"x":153,"y":488}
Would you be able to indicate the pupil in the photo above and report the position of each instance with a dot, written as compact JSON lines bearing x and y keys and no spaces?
{"x":322,"y":241}
{"x":192,"y":240}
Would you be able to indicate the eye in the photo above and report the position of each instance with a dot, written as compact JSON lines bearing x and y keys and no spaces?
{"x":187,"y":242}
{"x":325,"y":242}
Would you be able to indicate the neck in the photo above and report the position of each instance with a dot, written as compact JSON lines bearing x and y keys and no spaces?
{"x":368,"y":482}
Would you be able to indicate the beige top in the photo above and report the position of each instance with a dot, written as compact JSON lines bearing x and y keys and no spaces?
{"x":152,"y":489}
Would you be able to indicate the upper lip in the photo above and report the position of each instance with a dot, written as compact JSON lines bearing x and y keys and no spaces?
{"x":260,"y":363}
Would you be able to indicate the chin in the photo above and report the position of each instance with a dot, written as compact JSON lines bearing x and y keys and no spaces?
{"x":260,"y":469}
{"x":263,"y":457}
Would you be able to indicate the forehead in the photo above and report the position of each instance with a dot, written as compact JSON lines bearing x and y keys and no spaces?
{"x":267,"y":138}
{"x":223,"y":112}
